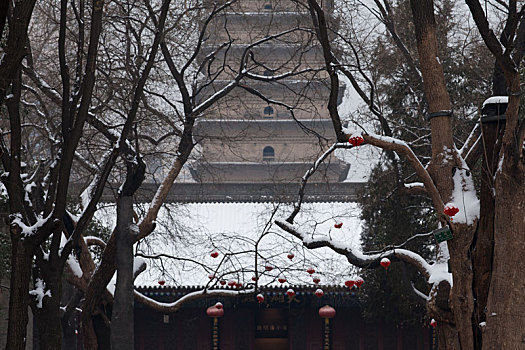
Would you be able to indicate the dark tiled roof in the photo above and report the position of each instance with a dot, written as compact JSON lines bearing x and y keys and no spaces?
{"x":275,"y":295}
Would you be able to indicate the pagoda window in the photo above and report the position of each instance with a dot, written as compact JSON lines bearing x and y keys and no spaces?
{"x":268,"y":112}
{"x":268,"y":154}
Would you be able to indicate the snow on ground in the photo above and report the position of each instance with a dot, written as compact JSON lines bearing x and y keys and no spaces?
{"x":192,"y":232}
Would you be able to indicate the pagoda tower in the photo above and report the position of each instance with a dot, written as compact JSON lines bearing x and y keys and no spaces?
{"x":275,"y":125}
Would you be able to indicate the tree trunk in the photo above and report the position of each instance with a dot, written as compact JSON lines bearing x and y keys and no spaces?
{"x":126,"y":234}
{"x":505,"y":305}
{"x":447,"y":337}
{"x":441,"y":166}
{"x":21,"y":259}
{"x":48,"y":316}
{"x":122,"y":316}
{"x":461,"y":296}
{"x":483,"y":248}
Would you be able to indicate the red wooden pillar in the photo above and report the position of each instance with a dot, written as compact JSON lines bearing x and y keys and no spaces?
{"x":362,"y":336}
{"x":162,"y":330}
{"x":381,"y":335}
{"x":399,"y":337}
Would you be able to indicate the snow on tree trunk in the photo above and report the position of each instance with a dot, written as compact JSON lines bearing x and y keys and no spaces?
{"x":48,"y":314}
{"x":442,"y":165}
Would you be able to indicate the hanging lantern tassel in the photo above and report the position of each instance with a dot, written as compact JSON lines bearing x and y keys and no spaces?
{"x":215,"y":312}
{"x":327,"y":312}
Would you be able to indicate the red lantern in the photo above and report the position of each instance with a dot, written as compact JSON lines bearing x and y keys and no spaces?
{"x":268,"y":268}
{"x":290,"y":256}
{"x":282,"y":280}
{"x":319,"y":293}
{"x":254,"y":278}
{"x":433,"y":323}
{"x":211,"y":276}
{"x":338,"y":225}
{"x":327,"y":312}
{"x":222,"y":282}
{"x":356,"y":140}
{"x":260,"y":298}
{"x":214,"y":254}
{"x":385,"y":262}
{"x":290,"y":292}
{"x":219,"y":305}
{"x":359,"y":282}
{"x":349,"y":283}
{"x":451,"y":210}
{"x":232,"y":283}
{"x":161,"y":282}
{"x":213,"y":311}
{"x":310,"y":270}
{"x":316,"y":280}
{"x":238,"y":285}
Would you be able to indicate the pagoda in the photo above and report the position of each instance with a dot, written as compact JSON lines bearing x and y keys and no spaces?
{"x":272,"y":127}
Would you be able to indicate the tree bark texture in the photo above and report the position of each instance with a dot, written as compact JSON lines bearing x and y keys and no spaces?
{"x":21,"y":259}
{"x":48,"y":316}
{"x":107,"y":266}
{"x":441,"y":167}
{"x":483,"y":246}
{"x":122,"y":316}
{"x":504,"y":316}
{"x":126,"y":233}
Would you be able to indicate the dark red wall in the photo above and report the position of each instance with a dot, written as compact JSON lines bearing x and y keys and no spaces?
{"x":190,"y":329}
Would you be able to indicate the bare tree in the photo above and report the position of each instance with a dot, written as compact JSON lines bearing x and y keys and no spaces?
{"x":447,"y":180}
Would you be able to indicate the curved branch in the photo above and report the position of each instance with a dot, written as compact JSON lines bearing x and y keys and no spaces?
{"x":354,"y":256}
{"x":310,"y":172}
{"x":92,"y":240}
{"x":402,"y":148}
{"x":197,"y":295}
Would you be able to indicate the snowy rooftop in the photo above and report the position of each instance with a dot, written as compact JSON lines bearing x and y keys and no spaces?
{"x":186,"y":235}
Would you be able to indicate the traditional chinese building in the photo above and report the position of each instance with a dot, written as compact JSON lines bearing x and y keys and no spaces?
{"x":279,"y":322}
{"x":276,"y":138}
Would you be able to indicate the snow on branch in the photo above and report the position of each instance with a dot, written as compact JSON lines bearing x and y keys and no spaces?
{"x":402,"y":148}
{"x":27,"y":231}
{"x":353,"y":255}
{"x":470,"y":141}
{"x":310,"y":172}
{"x":92,"y":240}
{"x":197,"y":295}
